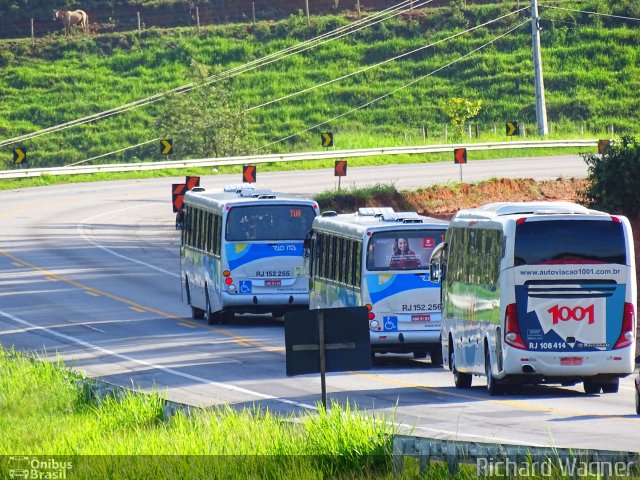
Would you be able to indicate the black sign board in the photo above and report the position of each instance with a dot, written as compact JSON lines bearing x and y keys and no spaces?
{"x":347,"y":345}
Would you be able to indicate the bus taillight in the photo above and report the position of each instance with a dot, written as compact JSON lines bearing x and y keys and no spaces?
{"x":226,"y":273}
{"x":512,"y":331}
{"x":628,"y":322}
{"x":228,"y":280}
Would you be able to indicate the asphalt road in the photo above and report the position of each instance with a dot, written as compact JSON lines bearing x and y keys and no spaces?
{"x":90,"y":272}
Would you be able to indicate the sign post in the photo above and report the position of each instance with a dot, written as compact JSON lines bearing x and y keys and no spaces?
{"x":327,"y":340}
{"x":603,"y":146}
{"x":340,"y":170}
{"x":460,"y":157}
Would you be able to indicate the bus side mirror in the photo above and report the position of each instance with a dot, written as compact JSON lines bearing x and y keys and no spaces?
{"x":180,"y":220}
{"x":306,"y":246}
{"x":436,"y":267}
{"x":435,"y":272}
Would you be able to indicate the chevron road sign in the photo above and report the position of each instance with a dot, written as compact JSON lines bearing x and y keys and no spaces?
{"x":327,"y":139}
{"x":249,"y":174}
{"x":166,"y":146}
{"x":19,"y":155}
{"x":512,"y":128}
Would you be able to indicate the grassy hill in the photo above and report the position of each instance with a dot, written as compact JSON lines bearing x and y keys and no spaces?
{"x":591,"y":71}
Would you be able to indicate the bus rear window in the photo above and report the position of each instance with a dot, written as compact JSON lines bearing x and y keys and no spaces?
{"x":269,"y":222}
{"x":402,"y":250}
{"x":569,"y":241}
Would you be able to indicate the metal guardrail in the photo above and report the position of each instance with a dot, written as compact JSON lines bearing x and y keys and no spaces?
{"x":291,"y":157}
{"x":514,"y":460}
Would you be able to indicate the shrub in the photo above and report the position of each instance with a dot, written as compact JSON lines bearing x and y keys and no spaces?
{"x":614,"y":178}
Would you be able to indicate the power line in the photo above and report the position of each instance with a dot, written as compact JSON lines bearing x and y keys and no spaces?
{"x":329,"y":82}
{"x":592,"y":13}
{"x":299,"y":48}
{"x":393,"y":92}
{"x":384,"y":62}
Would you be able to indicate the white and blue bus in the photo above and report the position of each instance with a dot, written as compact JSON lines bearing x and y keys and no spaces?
{"x":242,"y":252}
{"x":379,"y":258}
{"x":538,"y":292}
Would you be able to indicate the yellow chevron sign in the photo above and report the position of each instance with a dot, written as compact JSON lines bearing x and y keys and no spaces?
{"x":19,"y":155}
{"x":327,"y":139}
{"x":166,"y":146}
{"x":512,"y":128}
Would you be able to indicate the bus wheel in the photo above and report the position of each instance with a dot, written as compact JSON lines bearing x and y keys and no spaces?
{"x":436,"y":357}
{"x":637,"y":402}
{"x":196,"y":313}
{"x":419,"y":354}
{"x":590,"y":386}
{"x":611,"y":387}
{"x":212,"y":317}
{"x":226,"y":316}
{"x":492,"y":386}
{"x":461,"y":380}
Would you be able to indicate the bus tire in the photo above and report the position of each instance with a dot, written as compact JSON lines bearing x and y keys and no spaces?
{"x":436,"y":357}
{"x":493,"y":388}
{"x":226,"y":316}
{"x":212,"y":317}
{"x":637,"y":402}
{"x":611,"y":387}
{"x":196,"y":313}
{"x":461,"y":380}
{"x":591,"y":387}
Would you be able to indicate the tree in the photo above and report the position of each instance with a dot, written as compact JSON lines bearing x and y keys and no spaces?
{"x":459,"y":110}
{"x":205,"y":121}
{"x":614,"y":178}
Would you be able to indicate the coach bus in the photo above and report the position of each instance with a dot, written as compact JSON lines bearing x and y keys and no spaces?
{"x":379,"y":258}
{"x":538,"y":292}
{"x":242,"y":252}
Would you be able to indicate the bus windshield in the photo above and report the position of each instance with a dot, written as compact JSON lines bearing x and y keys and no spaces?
{"x":401,"y":249}
{"x":269,"y":222}
{"x":569,"y":241}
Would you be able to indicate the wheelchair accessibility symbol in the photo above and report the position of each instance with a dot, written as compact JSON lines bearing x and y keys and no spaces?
{"x":245,"y":286}
{"x":390,"y":324}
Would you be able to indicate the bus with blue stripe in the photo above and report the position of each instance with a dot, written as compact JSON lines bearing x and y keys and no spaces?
{"x":242,"y":252}
{"x":538,"y":292}
{"x":379,"y":258}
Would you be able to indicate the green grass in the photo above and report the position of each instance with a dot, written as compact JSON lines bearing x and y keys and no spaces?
{"x":50,"y":413}
{"x":591,"y":75}
{"x":47,"y":410}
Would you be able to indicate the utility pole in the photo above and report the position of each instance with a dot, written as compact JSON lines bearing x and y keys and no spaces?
{"x":541,"y":107}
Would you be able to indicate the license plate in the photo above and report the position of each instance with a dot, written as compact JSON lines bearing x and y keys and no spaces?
{"x":420,"y":318}
{"x":571,"y":361}
{"x":272,"y":283}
